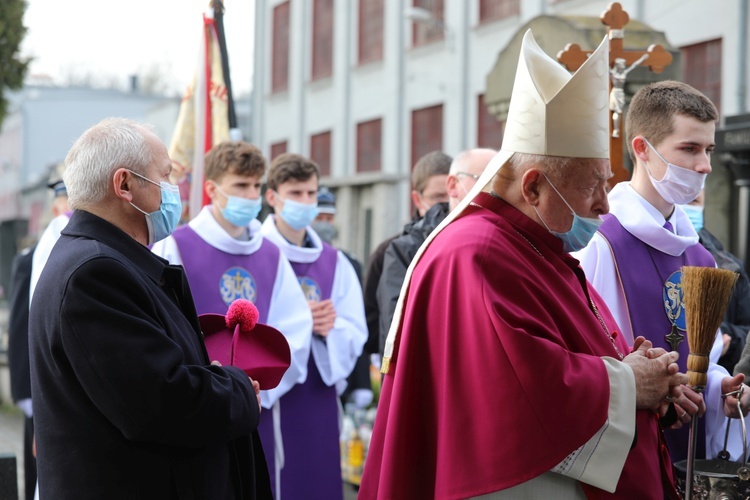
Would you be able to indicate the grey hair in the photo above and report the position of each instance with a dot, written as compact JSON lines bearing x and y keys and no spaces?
{"x":110,"y":144}
{"x":461,"y":159}
{"x":554,"y":166}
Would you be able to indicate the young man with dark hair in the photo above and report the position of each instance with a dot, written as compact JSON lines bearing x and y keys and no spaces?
{"x":309,"y":427}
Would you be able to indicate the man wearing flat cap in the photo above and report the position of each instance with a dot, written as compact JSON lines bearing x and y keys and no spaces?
{"x":506,"y":374}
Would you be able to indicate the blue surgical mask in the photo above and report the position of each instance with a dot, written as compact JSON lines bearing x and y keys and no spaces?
{"x":581,"y":231}
{"x":695,"y":214}
{"x":298,"y":215}
{"x":240,"y":211}
{"x":162,"y":222}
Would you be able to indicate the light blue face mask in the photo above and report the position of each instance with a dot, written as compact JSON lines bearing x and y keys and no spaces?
{"x":239,"y":211}
{"x":695,"y":214}
{"x":162,"y":222}
{"x":298,"y":215}
{"x":581,"y":231}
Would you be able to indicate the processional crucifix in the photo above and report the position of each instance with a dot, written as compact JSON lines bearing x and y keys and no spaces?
{"x":621,"y":62}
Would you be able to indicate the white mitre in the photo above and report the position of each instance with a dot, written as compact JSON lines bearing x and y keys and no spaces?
{"x":551,"y":113}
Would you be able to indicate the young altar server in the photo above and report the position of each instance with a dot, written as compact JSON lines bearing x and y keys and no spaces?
{"x":226,"y":257}
{"x":634,"y":259}
{"x":309,"y":411}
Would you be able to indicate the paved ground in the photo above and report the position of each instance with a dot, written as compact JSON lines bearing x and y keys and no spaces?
{"x":11,"y":443}
{"x":11,"y":440}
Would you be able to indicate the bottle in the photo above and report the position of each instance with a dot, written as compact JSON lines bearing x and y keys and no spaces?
{"x":346,"y":430}
{"x":355,"y":457}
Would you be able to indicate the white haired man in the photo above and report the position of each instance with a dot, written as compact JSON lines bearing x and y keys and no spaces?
{"x":126,"y":401}
{"x":505,"y":373}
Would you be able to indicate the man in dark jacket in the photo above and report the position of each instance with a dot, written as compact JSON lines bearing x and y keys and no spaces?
{"x":464,"y":170}
{"x":428,"y":188}
{"x":18,"y":357}
{"x":736,"y":322}
{"x":126,"y":402}
{"x":737,"y":317}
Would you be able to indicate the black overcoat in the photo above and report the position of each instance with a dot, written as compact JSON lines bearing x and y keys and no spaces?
{"x":125,"y":402}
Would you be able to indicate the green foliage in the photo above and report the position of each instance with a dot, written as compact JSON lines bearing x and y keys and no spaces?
{"x":12,"y":67}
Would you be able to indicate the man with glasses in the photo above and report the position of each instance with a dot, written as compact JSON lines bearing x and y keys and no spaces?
{"x":428,"y":181}
{"x":464,"y":171}
{"x":428,"y":188}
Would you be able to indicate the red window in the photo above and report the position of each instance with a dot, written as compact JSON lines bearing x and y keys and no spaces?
{"x":701,"y":68}
{"x":370,"y":31}
{"x":276,"y":149}
{"x":369,"y":145}
{"x":280,"y":49}
{"x":489,"y":128}
{"x":426,"y":131}
{"x":492,"y":10}
{"x":322,"y":49}
{"x":425,"y":32}
{"x":320,"y":151}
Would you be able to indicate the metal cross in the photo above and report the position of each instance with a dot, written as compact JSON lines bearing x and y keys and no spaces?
{"x":674,"y":338}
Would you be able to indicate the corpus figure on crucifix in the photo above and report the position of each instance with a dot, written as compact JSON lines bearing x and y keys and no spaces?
{"x":656,"y":58}
{"x":617,"y":95}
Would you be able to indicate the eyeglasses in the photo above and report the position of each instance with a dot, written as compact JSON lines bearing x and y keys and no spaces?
{"x":473,"y":176}
{"x":435,"y":198}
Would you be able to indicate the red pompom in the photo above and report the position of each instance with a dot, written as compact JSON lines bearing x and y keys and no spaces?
{"x":244,"y":313}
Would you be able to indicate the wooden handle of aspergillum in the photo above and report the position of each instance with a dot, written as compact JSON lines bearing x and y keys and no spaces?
{"x":697,"y":369}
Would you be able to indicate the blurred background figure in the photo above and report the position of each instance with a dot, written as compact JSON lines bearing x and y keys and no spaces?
{"x":61,"y":215}
{"x":464,"y":171}
{"x":359,"y":389}
{"x":25,"y":271}
{"x":428,"y":180}
{"x":325,"y":225}
{"x":736,"y":322}
{"x":18,"y":356}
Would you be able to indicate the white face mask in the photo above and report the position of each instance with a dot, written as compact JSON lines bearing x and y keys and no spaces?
{"x":679,"y":185}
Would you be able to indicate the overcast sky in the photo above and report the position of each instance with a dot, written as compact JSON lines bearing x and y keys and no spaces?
{"x":115,"y":39}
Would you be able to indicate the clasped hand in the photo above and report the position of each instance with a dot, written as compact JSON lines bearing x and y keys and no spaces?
{"x":656,"y":374}
{"x":324,"y":316}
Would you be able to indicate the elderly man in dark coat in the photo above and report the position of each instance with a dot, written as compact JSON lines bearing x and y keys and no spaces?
{"x":126,"y":401}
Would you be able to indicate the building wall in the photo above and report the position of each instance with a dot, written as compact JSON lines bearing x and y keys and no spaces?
{"x":41,"y":127}
{"x":451,"y":72}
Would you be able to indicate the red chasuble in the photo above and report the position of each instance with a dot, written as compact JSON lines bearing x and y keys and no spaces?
{"x":497,"y":375}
